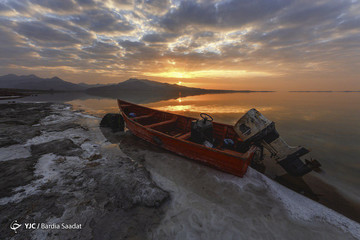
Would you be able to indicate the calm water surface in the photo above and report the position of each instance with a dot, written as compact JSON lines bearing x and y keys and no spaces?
{"x":209,"y":204}
{"x":326,"y":123}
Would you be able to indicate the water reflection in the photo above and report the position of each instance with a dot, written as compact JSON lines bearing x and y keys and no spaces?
{"x":326,"y":123}
{"x":209,"y":109}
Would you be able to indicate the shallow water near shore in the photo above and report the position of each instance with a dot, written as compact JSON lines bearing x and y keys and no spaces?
{"x":207,"y":204}
{"x":326,"y":123}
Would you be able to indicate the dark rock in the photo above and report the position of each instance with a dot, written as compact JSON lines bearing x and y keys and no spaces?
{"x":29,"y":113}
{"x":129,"y":184}
{"x":62,"y":147}
{"x":17,"y":120}
{"x":124,"y":193}
{"x":59,"y":127}
{"x":114,"y":197}
{"x":113,"y":121}
{"x":6,"y":141}
{"x":10,"y":134}
{"x":44,"y":206}
{"x":15,"y":173}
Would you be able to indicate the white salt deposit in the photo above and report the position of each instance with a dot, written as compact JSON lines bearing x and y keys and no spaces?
{"x":46,"y":172}
{"x":209,"y":204}
{"x":77,"y":135}
{"x":14,"y":152}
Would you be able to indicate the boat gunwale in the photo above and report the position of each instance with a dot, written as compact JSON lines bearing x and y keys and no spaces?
{"x":242,"y":156}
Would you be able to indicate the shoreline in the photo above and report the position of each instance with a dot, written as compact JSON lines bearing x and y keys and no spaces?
{"x":68,"y":169}
{"x":310,"y":186}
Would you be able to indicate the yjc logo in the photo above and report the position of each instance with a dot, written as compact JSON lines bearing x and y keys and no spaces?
{"x":14,"y":226}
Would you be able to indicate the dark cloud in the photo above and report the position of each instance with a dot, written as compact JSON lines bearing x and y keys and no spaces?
{"x":21,"y":6}
{"x":77,"y":31}
{"x":155,"y":7}
{"x":236,"y":13}
{"x":102,"y":21}
{"x":86,"y":2}
{"x":44,"y":35}
{"x":63,"y":5}
{"x":4,"y":8}
{"x":129,"y":45}
{"x":123,"y":2}
{"x":351,"y":24}
{"x":13,"y":49}
{"x":101,"y":47}
{"x":159,"y":37}
{"x":314,"y":13}
{"x":56,"y":53}
{"x":232,"y":13}
{"x":204,"y":34}
{"x":189,"y":13}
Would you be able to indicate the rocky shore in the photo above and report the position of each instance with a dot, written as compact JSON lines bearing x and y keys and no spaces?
{"x":56,"y":167}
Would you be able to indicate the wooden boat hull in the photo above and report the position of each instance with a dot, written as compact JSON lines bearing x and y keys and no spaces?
{"x":229,"y":161}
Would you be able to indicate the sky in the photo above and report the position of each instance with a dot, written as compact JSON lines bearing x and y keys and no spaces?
{"x":227,"y":44}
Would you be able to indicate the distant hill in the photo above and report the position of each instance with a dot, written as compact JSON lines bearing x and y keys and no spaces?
{"x":36,"y":83}
{"x":86,"y":85}
{"x":145,"y":91}
{"x":131,"y":89}
{"x":145,"y":86}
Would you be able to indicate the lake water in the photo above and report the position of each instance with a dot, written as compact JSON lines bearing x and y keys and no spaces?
{"x":326,"y":123}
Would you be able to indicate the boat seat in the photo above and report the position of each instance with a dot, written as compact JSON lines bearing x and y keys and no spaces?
{"x":143,"y":116}
{"x":184,"y":136}
{"x":161,"y":123}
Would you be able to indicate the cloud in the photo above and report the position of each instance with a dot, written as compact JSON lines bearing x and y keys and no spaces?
{"x":101,"y":21}
{"x":44,"y":35}
{"x":197,"y":38}
{"x":235,"y":13}
{"x":63,"y":5}
{"x":314,"y":13}
{"x":78,"y":32}
{"x":189,"y":13}
{"x":130,"y":45}
{"x":159,"y":37}
{"x":4,"y":8}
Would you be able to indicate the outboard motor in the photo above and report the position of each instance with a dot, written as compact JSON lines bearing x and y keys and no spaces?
{"x":202,"y":130}
{"x":254,"y":129}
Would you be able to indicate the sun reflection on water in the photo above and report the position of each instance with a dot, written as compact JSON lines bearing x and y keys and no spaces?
{"x":209,"y":108}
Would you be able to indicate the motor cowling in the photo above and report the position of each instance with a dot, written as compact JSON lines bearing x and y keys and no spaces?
{"x":255,"y":129}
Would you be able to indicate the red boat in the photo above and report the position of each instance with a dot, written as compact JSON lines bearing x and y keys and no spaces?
{"x":176,"y":133}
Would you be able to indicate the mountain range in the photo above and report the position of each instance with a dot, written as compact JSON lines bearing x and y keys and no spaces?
{"x":144,"y":86}
{"x":133,"y":89}
{"x":34,"y":82}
